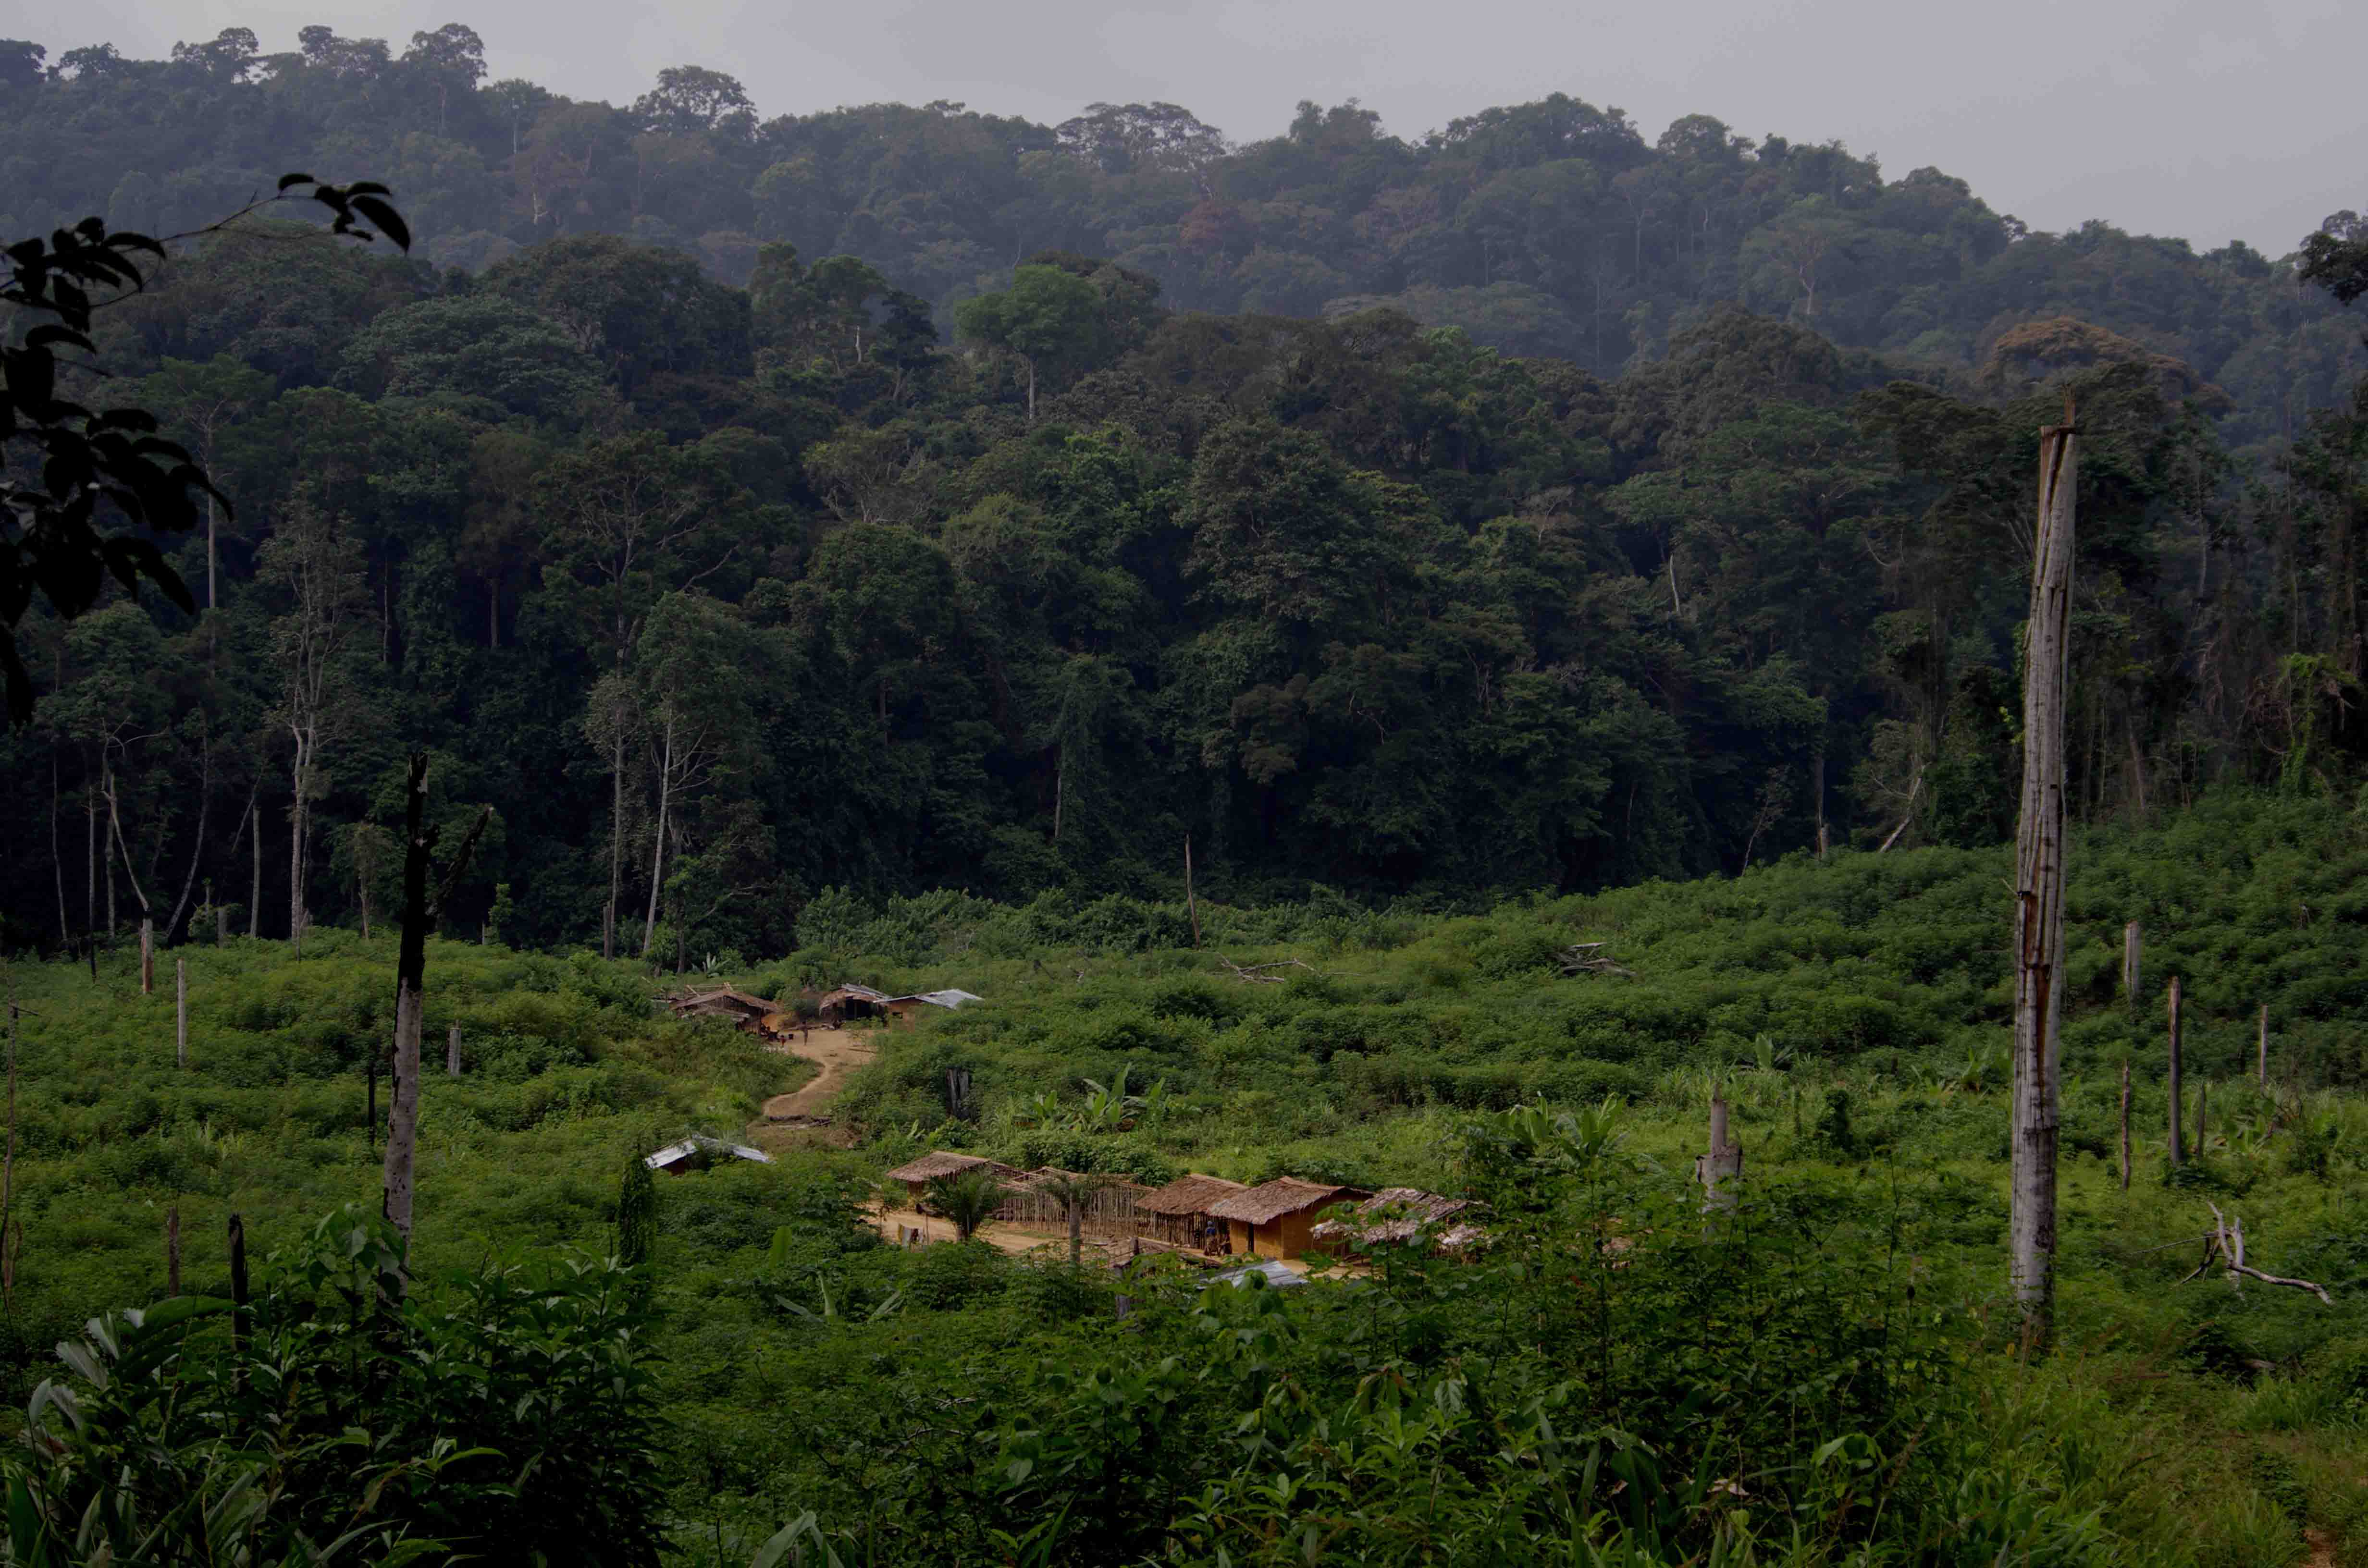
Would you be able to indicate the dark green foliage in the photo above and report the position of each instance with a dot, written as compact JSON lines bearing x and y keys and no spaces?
{"x":966,"y":1200}
{"x":637,"y":1216}
{"x":1834,"y":1129}
{"x":1372,"y":613}
{"x":501,"y":1414}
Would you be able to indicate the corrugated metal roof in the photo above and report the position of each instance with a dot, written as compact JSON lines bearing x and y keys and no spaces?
{"x":1276,"y":1275}
{"x":698,"y":1142}
{"x":939,"y":998}
{"x":1395,"y":1215}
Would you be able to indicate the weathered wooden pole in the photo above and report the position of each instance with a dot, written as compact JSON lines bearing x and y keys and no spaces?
{"x":452,"y":1053}
{"x":2039,"y":892}
{"x":1721,"y":1170}
{"x":181,"y":1012}
{"x":2178,"y":1149}
{"x":2126,"y":1124}
{"x":2132,"y":961}
{"x":2261,"y":1049}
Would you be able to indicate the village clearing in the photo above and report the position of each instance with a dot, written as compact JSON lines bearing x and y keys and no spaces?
{"x":833,"y":1052}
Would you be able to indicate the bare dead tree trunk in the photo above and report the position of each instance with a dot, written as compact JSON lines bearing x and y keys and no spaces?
{"x":410,"y":972}
{"x":147,"y":932}
{"x":181,"y":1012}
{"x":173,"y":1250}
{"x":2039,"y":892}
{"x":421,"y":910}
{"x":1817,"y":788}
{"x":452,"y":1053}
{"x":657,"y":847}
{"x":197,"y":851}
{"x":57,"y":862}
{"x":2133,"y":952}
{"x":2125,"y":1125}
{"x":1721,"y":1170}
{"x":616,"y":843}
{"x":2178,"y":1149}
{"x":296,"y":813}
{"x":1191,"y":909}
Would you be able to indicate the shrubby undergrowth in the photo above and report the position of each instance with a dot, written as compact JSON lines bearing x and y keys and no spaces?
{"x":1824,"y":1376}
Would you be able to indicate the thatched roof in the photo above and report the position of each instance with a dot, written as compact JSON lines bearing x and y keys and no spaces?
{"x":849,"y":992}
{"x":1395,"y":1215}
{"x":1283,"y":1195}
{"x":939,"y":1161}
{"x":725,"y":997}
{"x":1188,"y":1195}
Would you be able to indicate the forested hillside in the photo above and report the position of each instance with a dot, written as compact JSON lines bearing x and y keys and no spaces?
{"x":742,"y":523}
{"x":1552,"y":228}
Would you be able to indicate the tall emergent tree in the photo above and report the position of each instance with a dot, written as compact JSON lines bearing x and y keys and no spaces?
{"x":2039,"y":891}
{"x":320,"y":566}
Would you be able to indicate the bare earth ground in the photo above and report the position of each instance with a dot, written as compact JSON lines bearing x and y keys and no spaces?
{"x":833,"y":1051}
{"x":802,"y":1114}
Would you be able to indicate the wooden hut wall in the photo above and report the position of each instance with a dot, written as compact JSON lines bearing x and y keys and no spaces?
{"x":1110,"y":1212}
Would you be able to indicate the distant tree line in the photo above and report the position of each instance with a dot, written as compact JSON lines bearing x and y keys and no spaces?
{"x":725,"y":595}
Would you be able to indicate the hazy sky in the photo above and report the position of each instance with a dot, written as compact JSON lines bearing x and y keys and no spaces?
{"x":2209,"y":121}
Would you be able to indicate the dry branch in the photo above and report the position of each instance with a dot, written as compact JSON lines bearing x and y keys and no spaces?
{"x":1255,"y":973}
{"x":1587,"y":958}
{"x":2226,"y":1241}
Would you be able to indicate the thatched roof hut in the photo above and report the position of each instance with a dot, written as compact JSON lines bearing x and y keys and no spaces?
{"x":1193,"y":1194}
{"x":1276,"y":1218}
{"x":848,"y":1001}
{"x":945,"y":1162}
{"x":1398,"y":1213}
{"x":1179,"y":1212}
{"x":724,"y":1002}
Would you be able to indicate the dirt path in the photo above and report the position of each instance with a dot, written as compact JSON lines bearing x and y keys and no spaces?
{"x":834,"y":1051}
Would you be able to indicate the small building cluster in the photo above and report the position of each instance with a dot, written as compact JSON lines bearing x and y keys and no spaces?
{"x":1214,"y":1218}
{"x":835,"y":1008}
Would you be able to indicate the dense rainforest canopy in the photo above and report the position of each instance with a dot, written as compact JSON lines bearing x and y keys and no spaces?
{"x":894,"y":498}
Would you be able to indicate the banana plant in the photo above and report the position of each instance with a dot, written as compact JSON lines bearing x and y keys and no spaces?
{"x":831,"y":1311}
